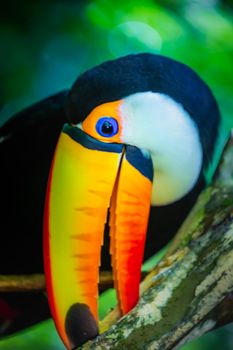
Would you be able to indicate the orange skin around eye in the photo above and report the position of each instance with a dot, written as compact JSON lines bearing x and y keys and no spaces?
{"x":111,"y":110}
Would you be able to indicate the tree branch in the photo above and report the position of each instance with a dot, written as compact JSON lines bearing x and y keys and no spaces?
{"x":23,"y":283}
{"x":190,"y":292}
{"x":36,"y":282}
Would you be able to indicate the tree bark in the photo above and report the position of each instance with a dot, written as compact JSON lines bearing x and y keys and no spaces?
{"x":190,"y":292}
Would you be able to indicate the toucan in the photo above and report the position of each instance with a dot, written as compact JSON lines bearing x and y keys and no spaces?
{"x":117,"y":159}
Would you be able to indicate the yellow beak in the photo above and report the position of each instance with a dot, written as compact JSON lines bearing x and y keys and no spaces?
{"x":87,"y":178}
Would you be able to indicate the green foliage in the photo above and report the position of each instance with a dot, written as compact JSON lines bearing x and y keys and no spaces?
{"x":40,"y":337}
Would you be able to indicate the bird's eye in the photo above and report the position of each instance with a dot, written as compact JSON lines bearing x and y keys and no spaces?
{"x":107,"y":127}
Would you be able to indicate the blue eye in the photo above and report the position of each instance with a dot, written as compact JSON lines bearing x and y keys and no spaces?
{"x":107,"y":127}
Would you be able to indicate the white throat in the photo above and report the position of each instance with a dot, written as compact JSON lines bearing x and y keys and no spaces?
{"x":156,"y":123}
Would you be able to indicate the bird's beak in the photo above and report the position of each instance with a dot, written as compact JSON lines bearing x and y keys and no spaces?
{"x":87,"y":178}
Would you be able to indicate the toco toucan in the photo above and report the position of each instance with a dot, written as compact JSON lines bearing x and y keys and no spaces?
{"x":136,"y":132}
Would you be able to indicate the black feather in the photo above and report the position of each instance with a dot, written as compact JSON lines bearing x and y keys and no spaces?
{"x":124,"y":76}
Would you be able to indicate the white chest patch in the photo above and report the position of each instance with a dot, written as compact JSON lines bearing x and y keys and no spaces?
{"x":156,"y":123}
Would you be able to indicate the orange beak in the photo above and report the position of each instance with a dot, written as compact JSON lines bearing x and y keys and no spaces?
{"x":87,"y":178}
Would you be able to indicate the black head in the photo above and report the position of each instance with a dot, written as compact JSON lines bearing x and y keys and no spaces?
{"x":124,"y":76}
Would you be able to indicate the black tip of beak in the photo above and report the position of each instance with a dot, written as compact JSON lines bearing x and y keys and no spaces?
{"x":80,"y":325}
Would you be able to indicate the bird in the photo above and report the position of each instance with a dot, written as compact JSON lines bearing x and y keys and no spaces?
{"x":117,"y":159}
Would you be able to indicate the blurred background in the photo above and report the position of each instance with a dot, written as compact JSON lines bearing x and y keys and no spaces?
{"x":45,"y":45}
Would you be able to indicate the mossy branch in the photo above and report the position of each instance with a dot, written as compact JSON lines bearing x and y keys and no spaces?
{"x":190,"y":291}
